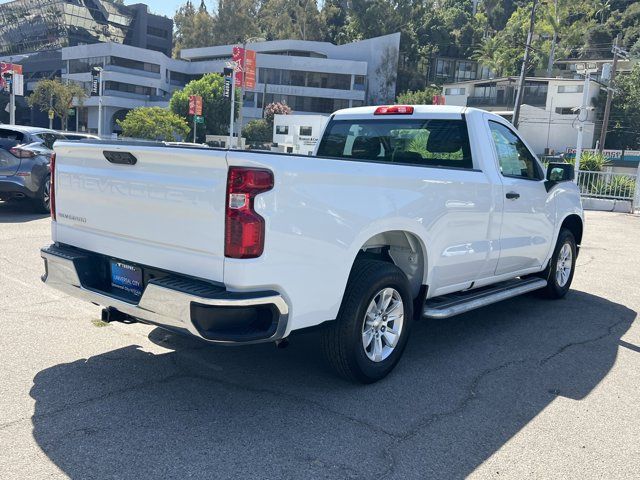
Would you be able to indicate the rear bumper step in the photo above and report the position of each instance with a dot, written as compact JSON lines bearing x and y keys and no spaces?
{"x":449,"y":305}
{"x":177,"y":303}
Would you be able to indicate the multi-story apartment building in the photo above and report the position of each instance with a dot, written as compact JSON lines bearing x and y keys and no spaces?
{"x":550,"y":110}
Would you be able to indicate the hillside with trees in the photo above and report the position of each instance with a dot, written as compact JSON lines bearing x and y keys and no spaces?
{"x":494,"y":35}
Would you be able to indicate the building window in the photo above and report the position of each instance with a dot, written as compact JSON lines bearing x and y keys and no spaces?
{"x":128,"y":88}
{"x":157,"y":32}
{"x":565,"y":111}
{"x":455,"y":91}
{"x":465,"y":70}
{"x":282,"y":129}
{"x":359,"y":82}
{"x":298,"y":78}
{"x":570,"y":88}
{"x":134,"y":64}
{"x":306,"y":131}
{"x":444,"y":67}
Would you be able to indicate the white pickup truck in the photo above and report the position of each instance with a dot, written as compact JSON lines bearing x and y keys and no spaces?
{"x":403,"y":212}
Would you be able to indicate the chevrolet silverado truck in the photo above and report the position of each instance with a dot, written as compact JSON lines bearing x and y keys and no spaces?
{"x":403,"y":212}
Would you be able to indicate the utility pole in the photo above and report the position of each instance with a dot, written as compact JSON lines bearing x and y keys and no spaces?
{"x":525,"y":62}
{"x":617,"y":52}
{"x":582,"y":117}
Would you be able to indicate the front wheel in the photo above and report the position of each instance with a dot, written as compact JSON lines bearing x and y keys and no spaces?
{"x":559,"y":272}
{"x":369,"y":336}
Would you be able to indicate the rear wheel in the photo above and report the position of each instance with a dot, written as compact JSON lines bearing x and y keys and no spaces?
{"x":369,"y":336}
{"x":42,"y":202}
{"x":559,"y":272}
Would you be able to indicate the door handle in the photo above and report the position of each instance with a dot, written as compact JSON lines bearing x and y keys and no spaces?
{"x":512,"y":195}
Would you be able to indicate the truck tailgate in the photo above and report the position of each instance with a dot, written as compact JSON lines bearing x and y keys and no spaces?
{"x":166,"y":210}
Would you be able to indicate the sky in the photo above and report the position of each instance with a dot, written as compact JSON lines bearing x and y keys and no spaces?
{"x":163,"y":7}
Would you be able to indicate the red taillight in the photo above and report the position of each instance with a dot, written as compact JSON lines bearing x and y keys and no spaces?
{"x":52,"y":188}
{"x":244,"y":228}
{"x":21,"y":153}
{"x":394,"y":110}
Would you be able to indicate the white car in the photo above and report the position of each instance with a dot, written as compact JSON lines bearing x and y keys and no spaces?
{"x":403,"y":212}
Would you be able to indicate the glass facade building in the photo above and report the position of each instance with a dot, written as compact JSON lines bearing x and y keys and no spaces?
{"x":35,"y":25}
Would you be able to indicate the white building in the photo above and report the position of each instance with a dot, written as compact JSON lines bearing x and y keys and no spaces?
{"x":549,"y":113}
{"x":298,"y":133}
{"x":311,"y":77}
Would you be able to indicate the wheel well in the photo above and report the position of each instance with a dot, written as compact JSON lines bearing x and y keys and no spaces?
{"x":574,"y":224}
{"x":401,"y":248}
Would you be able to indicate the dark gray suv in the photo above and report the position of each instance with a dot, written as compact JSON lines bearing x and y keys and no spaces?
{"x":25,"y":156}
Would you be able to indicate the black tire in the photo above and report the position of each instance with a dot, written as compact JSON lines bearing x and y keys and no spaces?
{"x":342,"y":340}
{"x":554,"y":289}
{"x":42,"y":202}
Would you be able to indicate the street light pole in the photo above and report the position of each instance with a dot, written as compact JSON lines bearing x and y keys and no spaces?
{"x":100,"y":103}
{"x":233,"y":104}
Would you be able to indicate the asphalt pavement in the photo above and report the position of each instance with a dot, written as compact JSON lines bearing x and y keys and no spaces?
{"x":527,"y":388}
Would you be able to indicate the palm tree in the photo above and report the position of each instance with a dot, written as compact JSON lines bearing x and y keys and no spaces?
{"x":487,"y":55}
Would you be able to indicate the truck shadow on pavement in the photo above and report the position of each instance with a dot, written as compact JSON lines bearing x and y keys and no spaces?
{"x":463,"y":389}
{"x":19,"y":212}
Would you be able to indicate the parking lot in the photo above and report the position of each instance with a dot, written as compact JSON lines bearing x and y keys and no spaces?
{"x":527,"y":388}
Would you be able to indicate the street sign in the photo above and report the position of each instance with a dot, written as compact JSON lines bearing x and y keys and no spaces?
{"x":250,"y":69}
{"x":17,"y":85}
{"x":199,"y":119}
{"x":51,"y":114}
{"x":195,"y":105}
{"x":95,"y":82}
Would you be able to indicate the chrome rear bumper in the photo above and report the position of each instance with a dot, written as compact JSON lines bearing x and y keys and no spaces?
{"x":167,"y":304}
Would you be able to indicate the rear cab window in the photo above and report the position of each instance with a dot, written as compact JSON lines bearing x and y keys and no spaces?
{"x":421,"y":142}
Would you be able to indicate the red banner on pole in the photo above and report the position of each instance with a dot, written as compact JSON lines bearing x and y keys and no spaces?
{"x":250,"y":69}
{"x":8,"y":67}
{"x":238,"y":59}
{"x":195,"y":105}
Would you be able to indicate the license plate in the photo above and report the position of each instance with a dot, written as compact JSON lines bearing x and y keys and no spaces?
{"x":126,"y":278}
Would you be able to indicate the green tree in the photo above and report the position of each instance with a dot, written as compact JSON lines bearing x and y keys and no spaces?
{"x":193,"y":28}
{"x":334,"y":18}
{"x":215,"y":108}
{"x":237,"y":20}
{"x":258,"y":131}
{"x":296,"y":19}
{"x":624,"y":124}
{"x":154,"y":123}
{"x":420,"y":97}
{"x":57,"y":96}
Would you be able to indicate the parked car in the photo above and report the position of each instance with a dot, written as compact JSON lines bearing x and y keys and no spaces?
{"x":403,"y":212}
{"x":37,"y":139}
{"x":25,"y":155}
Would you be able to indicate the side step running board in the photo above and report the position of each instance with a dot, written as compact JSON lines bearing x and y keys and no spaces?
{"x":454,"y":304}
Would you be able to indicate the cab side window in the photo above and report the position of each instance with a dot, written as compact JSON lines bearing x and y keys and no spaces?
{"x":514,"y":157}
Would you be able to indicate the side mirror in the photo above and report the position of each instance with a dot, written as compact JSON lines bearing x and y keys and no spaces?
{"x":559,"y":172}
